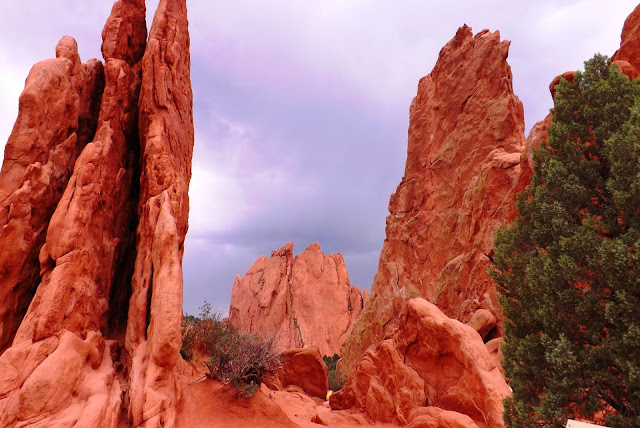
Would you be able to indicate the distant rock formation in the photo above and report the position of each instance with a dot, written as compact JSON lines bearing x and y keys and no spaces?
{"x":466,"y":136}
{"x":306,"y":301}
{"x":430,"y":365}
{"x":94,"y":203}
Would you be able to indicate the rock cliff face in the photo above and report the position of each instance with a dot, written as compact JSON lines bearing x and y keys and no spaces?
{"x":431,"y":364}
{"x":630,"y":41}
{"x":466,"y":162}
{"x":306,"y":301}
{"x":466,"y":135}
{"x":95,"y":177}
{"x":39,"y":159}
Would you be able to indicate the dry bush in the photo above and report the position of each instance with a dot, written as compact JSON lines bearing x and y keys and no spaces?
{"x":242,"y":360}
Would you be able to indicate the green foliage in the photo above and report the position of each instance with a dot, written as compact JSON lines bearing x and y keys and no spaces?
{"x":242,"y":360}
{"x":568,"y":268}
{"x":336,"y":379}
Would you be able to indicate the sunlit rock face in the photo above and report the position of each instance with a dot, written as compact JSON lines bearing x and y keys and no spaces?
{"x":306,"y":301}
{"x":93,"y":195}
{"x":464,"y":165}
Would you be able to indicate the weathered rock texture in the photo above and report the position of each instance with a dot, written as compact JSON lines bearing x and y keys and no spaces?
{"x":630,"y":42}
{"x":97,"y":152}
{"x":306,"y":301}
{"x":39,"y":159}
{"x":153,"y":336}
{"x":467,"y":160}
{"x":304,"y":368}
{"x":466,"y":136}
{"x":429,"y":365}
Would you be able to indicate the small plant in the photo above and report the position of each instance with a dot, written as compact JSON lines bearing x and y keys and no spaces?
{"x":336,"y":379}
{"x":242,"y":360}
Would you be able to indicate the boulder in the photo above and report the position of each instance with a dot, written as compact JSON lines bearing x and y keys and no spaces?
{"x":430,"y":361}
{"x":304,"y":368}
{"x":567,"y":75}
{"x":482,"y":321}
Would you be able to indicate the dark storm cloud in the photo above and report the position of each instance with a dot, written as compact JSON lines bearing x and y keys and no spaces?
{"x":301,"y":108}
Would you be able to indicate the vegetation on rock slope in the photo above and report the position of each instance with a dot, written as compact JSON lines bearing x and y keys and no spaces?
{"x":568,"y":268}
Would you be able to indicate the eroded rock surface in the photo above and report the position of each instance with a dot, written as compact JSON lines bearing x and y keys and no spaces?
{"x":304,"y":368}
{"x":153,"y":336}
{"x":306,"y":301}
{"x":630,"y":41}
{"x":466,"y":136}
{"x":97,"y":152}
{"x":57,"y":117}
{"x":429,"y":365}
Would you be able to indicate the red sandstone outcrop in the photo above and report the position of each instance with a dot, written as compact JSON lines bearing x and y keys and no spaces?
{"x":153,"y":336}
{"x":57,"y":117}
{"x":73,"y":207}
{"x":630,"y":41}
{"x":304,"y":368}
{"x":466,"y":136}
{"x":445,"y":152}
{"x":429,"y":365}
{"x":306,"y":301}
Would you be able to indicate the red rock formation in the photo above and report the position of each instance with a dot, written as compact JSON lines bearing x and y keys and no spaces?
{"x":153,"y":336}
{"x":466,"y":135}
{"x":430,"y":364}
{"x":306,"y":301}
{"x":304,"y":368}
{"x":69,"y":373}
{"x":630,"y":41}
{"x":57,"y":117}
{"x":66,"y":364}
{"x":445,"y":149}
{"x":325,"y":306}
{"x":261,"y":300}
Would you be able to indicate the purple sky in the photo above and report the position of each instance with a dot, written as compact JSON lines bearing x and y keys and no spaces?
{"x":301,"y":108}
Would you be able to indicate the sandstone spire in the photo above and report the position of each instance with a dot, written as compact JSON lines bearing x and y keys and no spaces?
{"x":466,"y":133}
{"x":57,"y":117}
{"x":153,"y":337}
{"x":82,"y":212}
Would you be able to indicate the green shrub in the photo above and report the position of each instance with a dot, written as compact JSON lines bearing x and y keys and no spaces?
{"x":240,"y":360}
{"x":567,"y":268}
{"x":336,"y":379}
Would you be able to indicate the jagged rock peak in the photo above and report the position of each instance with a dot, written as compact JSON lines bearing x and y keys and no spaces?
{"x":466,"y":134}
{"x":303,"y":301}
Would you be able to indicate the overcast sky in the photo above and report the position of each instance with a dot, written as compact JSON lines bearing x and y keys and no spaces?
{"x":301,"y":108}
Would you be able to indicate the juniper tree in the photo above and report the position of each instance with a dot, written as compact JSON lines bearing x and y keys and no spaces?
{"x":568,"y":268}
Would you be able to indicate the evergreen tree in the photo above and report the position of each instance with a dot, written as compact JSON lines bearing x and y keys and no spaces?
{"x":568,"y":268}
